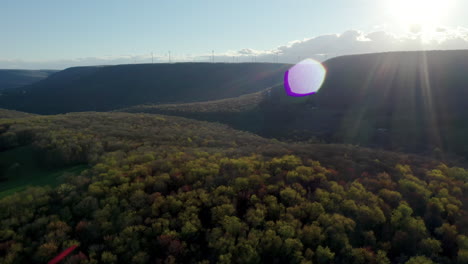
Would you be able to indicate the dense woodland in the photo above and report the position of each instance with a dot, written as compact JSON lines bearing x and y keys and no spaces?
{"x":160,"y":189}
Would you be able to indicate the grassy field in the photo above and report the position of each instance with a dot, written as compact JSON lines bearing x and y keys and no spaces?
{"x":19,"y":169}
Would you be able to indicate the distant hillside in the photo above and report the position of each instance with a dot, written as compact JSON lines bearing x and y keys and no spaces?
{"x":112,"y":87}
{"x":405,"y":101}
{"x":16,"y":78}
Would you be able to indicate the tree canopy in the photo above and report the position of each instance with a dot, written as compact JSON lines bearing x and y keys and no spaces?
{"x":162,"y":189}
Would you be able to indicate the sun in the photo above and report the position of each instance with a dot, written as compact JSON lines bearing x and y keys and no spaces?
{"x":419,"y":14}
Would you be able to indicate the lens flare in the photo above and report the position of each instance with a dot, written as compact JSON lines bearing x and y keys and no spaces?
{"x":304,"y":78}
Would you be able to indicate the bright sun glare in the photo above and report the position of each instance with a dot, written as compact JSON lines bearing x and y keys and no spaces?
{"x":426,"y":14}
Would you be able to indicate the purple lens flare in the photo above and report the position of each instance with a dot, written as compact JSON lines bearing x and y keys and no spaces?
{"x":304,"y":78}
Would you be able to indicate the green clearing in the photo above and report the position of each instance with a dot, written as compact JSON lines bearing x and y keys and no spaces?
{"x":19,"y":169}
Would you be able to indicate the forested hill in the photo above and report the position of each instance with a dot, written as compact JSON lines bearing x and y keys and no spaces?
{"x":397,"y":79}
{"x":161,"y":189}
{"x":18,"y":78}
{"x":111,"y":87}
{"x":404,"y":101}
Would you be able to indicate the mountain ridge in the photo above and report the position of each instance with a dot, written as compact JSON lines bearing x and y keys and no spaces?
{"x":104,"y":88}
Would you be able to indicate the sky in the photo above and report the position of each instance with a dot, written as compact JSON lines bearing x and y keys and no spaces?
{"x":53,"y":34}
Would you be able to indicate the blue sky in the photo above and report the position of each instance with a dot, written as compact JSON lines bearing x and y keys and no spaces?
{"x":46,"y":31}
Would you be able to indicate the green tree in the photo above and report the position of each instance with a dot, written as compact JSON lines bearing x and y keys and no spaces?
{"x":419,"y":260}
{"x":108,"y":257}
{"x":324,"y":255}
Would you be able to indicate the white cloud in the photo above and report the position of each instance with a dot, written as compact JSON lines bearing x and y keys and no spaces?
{"x":319,"y":47}
{"x":356,"y":42}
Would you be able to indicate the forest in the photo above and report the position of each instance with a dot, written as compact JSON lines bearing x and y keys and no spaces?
{"x":162,"y":189}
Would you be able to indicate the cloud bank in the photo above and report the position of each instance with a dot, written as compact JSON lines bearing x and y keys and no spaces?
{"x":319,"y":48}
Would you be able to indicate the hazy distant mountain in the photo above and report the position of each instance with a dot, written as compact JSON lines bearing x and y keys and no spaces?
{"x":17,"y":78}
{"x":111,"y":87}
{"x":409,"y":101}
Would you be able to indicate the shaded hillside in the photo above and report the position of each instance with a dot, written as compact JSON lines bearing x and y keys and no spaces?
{"x":163,"y":189}
{"x":18,"y":78}
{"x":112,"y":87}
{"x":405,"y":101}
{"x":410,"y":101}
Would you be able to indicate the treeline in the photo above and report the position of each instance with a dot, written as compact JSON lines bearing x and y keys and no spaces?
{"x":172,"y":190}
{"x":5,"y":113}
{"x":229,"y":105}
